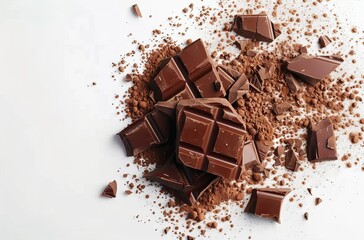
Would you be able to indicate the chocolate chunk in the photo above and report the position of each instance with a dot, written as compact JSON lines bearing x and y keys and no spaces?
{"x":256,"y":83}
{"x":263,"y":148}
{"x":266,"y":72}
{"x":267,"y":202}
{"x":153,"y":129}
{"x":250,"y":155}
{"x":257,"y":26}
{"x":324,"y":41}
{"x":259,"y":168}
{"x":136,"y":10}
{"x":191,"y":74}
{"x":184,"y":183}
{"x":318,"y":201}
{"x":279,"y":151}
{"x":242,"y":44}
{"x":291,"y":161}
{"x":292,"y":83}
{"x":281,"y":108}
{"x":305,"y":215}
{"x":210,"y":136}
{"x":313,"y":69}
{"x":321,"y":141}
{"x":304,"y":49}
{"x":309,"y":190}
{"x":226,"y":79}
{"x":238,"y":89}
{"x":232,"y":72}
{"x":110,"y":190}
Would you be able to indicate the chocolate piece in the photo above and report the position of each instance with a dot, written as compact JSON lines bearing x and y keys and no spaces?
{"x":279,"y":151}
{"x":250,"y":155}
{"x":256,"y":83}
{"x":324,"y":41}
{"x":280,"y":108}
{"x":257,"y":27}
{"x":263,"y":148}
{"x":266,"y":72}
{"x":238,"y":89}
{"x":191,"y":74}
{"x":232,"y":72}
{"x":267,"y":202}
{"x":184,"y":183}
{"x":110,"y":190}
{"x":321,"y":141}
{"x":318,"y":201}
{"x":242,"y":44}
{"x":226,"y":79}
{"x":313,"y":69}
{"x":291,"y":161}
{"x":305,"y":215}
{"x":152,"y":129}
{"x":210,"y":136}
{"x":136,"y":10}
{"x":292,"y":83}
{"x":309,"y":191}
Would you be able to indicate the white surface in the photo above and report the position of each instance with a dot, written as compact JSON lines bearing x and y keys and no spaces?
{"x":57,"y":144}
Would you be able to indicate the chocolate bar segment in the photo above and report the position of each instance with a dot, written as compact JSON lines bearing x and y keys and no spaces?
{"x":152,"y":129}
{"x":210,"y":136}
{"x":321,"y":141}
{"x":267,"y":202}
{"x":312,"y":69}
{"x":184,"y":183}
{"x":256,"y":26}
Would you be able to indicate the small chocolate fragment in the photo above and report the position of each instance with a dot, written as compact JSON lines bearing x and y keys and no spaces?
{"x":291,"y":161}
{"x":136,"y":10}
{"x":250,"y":155}
{"x":184,"y":183}
{"x":257,"y":26}
{"x":110,"y":190}
{"x":281,"y":108}
{"x":210,"y":136}
{"x":292,"y":83}
{"x":238,"y":89}
{"x":321,"y":141}
{"x":242,"y":44}
{"x":313,"y":69}
{"x":267,"y":202}
{"x":263,"y":148}
{"x":318,"y":201}
{"x":309,"y":190}
{"x":152,"y":129}
{"x":324,"y":41}
{"x":305,"y":215}
{"x":256,"y":83}
{"x":128,"y":78}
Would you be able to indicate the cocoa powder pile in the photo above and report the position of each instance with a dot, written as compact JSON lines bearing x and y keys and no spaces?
{"x":275,"y":114}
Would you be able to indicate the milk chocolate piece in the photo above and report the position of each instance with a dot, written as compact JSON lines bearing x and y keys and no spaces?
{"x":110,"y":190}
{"x":226,"y":79}
{"x":256,"y":83}
{"x":191,"y":74}
{"x":324,"y":41}
{"x":292,"y":83}
{"x":250,"y":155}
{"x":232,"y":72}
{"x":313,"y":69}
{"x":291,"y":161}
{"x":238,"y":89}
{"x":257,"y":26}
{"x":210,"y":136}
{"x":263,"y":148}
{"x":184,"y":183}
{"x":136,"y":10}
{"x":267,"y":202}
{"x":321,"y":141}
{"x":153,"y":129}
{"x":281,"y":108}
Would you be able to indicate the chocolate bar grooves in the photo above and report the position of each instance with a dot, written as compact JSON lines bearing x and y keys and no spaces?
{"x":154,"y":126}
{"x":189,"y":82}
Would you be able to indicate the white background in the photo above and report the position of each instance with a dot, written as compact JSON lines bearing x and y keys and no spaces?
{"x":57,"y":143}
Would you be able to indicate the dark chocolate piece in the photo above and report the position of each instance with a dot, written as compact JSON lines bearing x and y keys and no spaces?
{"x":291,"y":161}
{"x":267,"y":202}
{"x":257,"y":26}
{"x":184,"y":183}
{"x":313,"y":69}
{"x":324,"y":41}
{"x":309,"y":191}
{"x":321,"y":141}
{"x":318,"y":201}
{"x":281,"y":108}
{"x":266,"y":72}
{"x":191,"y":74}
{"x":305,"y":215}
{"x":292,"y":83}
{"x":151,"y":130}
{"x":110,"y":190}
{"x":238,"y":89}
{"x":210,"y":136}
{"x":136,"y":10}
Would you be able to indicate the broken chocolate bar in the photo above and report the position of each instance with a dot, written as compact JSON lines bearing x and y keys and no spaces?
{"x":291,"y":161}
{"x":190,"y":74}
{"x":257,"y":27}
{"x":210,"y":136}
{"x":110,"y":190}
{"x":267,"y":202}
{"x":153,"y":129}
{"x":184,"y":183}
{"x":313,"y":69}
{"x":238,"y":89}
{"x":321,"y":141}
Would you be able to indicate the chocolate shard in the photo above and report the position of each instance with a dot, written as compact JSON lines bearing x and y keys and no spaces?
{"x":281,"y":108}
{"x":291,"y":161}
{"x":184,"y":183}
{"x":263,"y":148}
{"x":210,"y":136}
{"x":313,"y":69}
{"x":110,"y":190}
{"x":238,"y":89}
{"x":257,"y":26}
{"x":266,"y":72}
{"x":324,"y":41}
{"x":267,"y":202}
{"x":256,"y":83}
{"x":136,"y":10}
{"x":321,"y":141}
{"x":153,"y":129}
{"x":226,"y":79}
{"x":232,"y":72}
{"x":292,"y":83}
{"x":250,"y":155}
{"x":241,"y":44}
{"x":191,"y":74}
